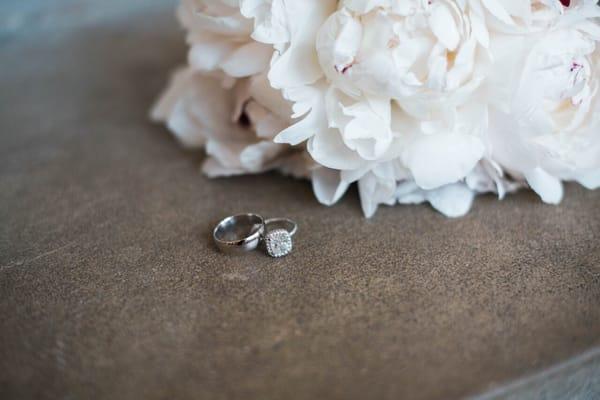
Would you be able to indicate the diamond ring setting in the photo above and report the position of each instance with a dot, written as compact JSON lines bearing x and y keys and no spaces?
{"x":278,"y":236}
{"x":242,"y":233}
{"x":278,"y":243}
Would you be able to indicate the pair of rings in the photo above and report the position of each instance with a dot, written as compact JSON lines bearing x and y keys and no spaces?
{"x":245,"y":232}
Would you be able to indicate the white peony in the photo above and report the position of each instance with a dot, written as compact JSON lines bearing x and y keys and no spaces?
{"x":220,"y":38}
{"x":399,"y":86}
{"x":222,"y":101}
{"x":550,"y":130}
{"x":398,"y":49}
{"x":526,"y":16}
{"x":235,"y":125}
{"x":413,"y":100}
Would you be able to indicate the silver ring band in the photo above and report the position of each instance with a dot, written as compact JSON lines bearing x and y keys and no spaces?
{"x":239,"y":233}
{"x":281,"y":223}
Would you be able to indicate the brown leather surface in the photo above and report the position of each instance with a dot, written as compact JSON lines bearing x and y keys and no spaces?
{"x":110,"y":287}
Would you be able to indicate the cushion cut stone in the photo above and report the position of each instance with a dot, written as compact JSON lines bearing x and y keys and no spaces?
{"x":279,"y":243}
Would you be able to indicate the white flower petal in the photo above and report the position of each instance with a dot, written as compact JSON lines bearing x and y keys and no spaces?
{"x":327,"y":148}
{"x":590,"y":180}
{"x":546,"y":186}
{"x":441,"y":159}
{"x":452,"y":200}
{"x":328,"y":185}
{"x":444,"y":27}
{"x":247,"y":60}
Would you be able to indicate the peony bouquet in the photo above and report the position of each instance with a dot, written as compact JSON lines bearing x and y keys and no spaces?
{"x":414,"y":100}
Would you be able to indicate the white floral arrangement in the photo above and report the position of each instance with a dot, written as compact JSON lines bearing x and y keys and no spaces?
{"x":415,"y":100}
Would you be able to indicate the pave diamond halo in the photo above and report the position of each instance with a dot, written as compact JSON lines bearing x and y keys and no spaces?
{"x":278,"y":243}
{"x":278,"y":236}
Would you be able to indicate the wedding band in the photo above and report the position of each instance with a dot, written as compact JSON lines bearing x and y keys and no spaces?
{"x":278,"y":236}
{"x":239,"y":233}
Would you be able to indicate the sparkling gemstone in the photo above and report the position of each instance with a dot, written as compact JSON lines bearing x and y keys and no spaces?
{"x":279,"y":243}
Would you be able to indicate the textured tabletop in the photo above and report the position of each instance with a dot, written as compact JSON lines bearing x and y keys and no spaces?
{"x":110,"y":287}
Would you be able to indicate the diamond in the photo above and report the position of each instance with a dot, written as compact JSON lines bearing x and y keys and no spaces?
{"x":279,"y":243}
